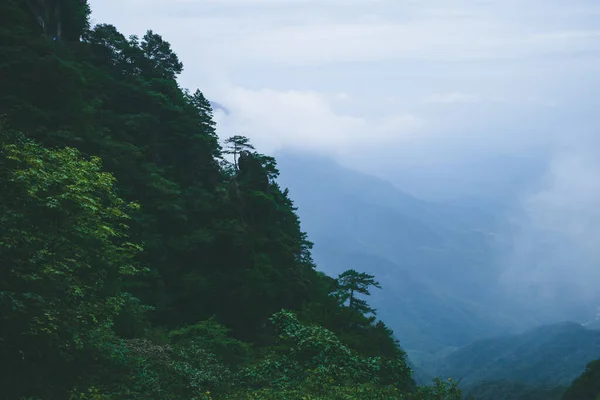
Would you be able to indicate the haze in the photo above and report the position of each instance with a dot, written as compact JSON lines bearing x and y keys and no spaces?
{"x":485,"y":103}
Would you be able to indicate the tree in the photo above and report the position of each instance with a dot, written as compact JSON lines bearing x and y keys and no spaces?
{"x":112,"y":47}
{"x":60,"y":19}
{"x":351,"y":283}
{"x":312,"y":360}
{"x":587,"y":386}
{"x":158,"y":51}
{"x":235,"y":145}
{"x":222,"y":241}
{"x":204,"y":109}
{"x":63,"y":251}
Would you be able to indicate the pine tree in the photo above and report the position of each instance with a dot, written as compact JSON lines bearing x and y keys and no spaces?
{"x":352,"y":283}
{"x":235,"y":145}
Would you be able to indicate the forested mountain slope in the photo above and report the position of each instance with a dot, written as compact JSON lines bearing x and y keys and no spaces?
{"x":549,"y":356}
{"x":136,"y":261}
{"x":436,"y":261}
{"x":508,"y":390}
{"x":141,"y":257}
{"x":586,"y":386}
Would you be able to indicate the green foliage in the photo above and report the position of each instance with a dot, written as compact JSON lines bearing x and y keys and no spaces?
{"x":165,"y":63}
{"x":545,"y":356}
{"x":60,"y":19}
{"x":587,"y":386}
{"x":235,"y":145}
{"x":505,"y":390}
{"x":310,"y":362}
{"x":140,"y":369}
{"x":316,"y":389}
{"x":352,"y":283}
{"x":136,"y":262}
{"x":64,"y":250}
{"x":312,"y":353}
{"x":215,"y":338}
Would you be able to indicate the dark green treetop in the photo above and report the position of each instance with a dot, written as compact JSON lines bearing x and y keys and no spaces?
{"x":351,"y":284}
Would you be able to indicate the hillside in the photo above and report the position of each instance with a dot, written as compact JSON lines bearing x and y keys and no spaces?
{"x":549,"y":356}
{"x":435,"y":260}
{"x":506,"y":390}
{"x":143,"y":256}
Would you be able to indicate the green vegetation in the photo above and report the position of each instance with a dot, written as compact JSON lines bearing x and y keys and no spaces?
{"x":587,"y":386}
{"x":137,"y":262}
{"x":505,"y":390}
{"x":550,"y":356}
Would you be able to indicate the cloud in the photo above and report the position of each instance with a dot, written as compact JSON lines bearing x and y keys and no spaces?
{"x":307,"y":120}
{"x":311,"y":33}
{"x":446,"y":98}
{"x":314,"y":43}
{"x":347,"y":74}
{"x":554,"y":257}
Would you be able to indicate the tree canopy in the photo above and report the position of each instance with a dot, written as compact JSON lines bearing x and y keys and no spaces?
{"x":137,"y":262}
{"x":587,"y":386}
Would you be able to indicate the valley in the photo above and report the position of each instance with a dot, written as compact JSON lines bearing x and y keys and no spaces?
{"x":439,"y":268}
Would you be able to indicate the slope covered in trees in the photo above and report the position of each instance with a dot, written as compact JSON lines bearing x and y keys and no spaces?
{"x":437,"y":259}
{"x":507,"y":390}
{"x":136,"y":261}
{"x":586,"y":386}
{"x":539,"y":364}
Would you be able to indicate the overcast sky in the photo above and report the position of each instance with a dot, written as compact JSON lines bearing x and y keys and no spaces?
{"x":443,"y":97}
{"x":386,"y":85}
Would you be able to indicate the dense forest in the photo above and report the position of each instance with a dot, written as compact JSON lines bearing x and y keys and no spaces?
{"x":140,"y":257}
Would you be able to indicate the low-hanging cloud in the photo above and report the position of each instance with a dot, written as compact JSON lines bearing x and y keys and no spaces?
{"x":446,"y":98}
{"x":424,"y":93}
{"x":307,"y":120}
{"x":555,"y":254}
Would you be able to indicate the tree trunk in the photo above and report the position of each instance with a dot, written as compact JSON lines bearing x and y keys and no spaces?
{"x":48,"y":15}
{"x":58,"y":20}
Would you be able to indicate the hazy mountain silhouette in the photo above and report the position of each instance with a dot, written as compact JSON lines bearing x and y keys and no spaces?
{"x":552,"y":355}
{"x":432,"y":259}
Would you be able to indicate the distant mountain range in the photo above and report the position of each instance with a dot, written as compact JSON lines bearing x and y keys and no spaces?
{"x":593,"y":323}
{"x":433,"y":260}
{"x":437,"y":265}
{"x":547,"y":357}
{"x":506,"y":390}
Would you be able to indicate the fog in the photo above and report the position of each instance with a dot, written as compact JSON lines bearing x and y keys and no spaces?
{"x":555,"y":254}
{"x":488,"y":103}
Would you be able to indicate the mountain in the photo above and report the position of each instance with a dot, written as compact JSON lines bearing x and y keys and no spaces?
{"x":490,"y":182}
{"x":435,"y":261}
{"x":144,"y":265}
{"x":549,"y":356}
{"x":593,"y":323}
{"x":504,"y":390}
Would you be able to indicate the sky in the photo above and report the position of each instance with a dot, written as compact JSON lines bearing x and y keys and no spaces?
{"x":409,"y":90}
{"x":445,"y":98}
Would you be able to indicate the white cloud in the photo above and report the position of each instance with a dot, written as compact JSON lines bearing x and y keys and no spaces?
{"x":303,"y":119}
{"x":555,"y":252}
{"x":316,"y":73}
{"x":372,"y":82}
{"x":309,"y":32}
